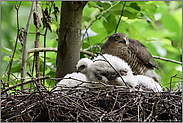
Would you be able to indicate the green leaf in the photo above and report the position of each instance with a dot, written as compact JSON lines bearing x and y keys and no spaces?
{"x":52,"y":74}
{"x":6,"y":58}
{"x":104,"y":5}
{"x":123,"y":26}
{"x":86,"y":18}
{"x":5,"y":50}
{"x":16,"y":67}
{"x":152,"y":7}
{"x":150,"y":22}
{"x":111,"y":23}
{"x":129,"y":14}
{"x":170,"y":23}
{"x":135,"y":33}
{"x":114,"y":11}
{"x":146,"y":5}
{"x":135,"y":6}
{"x":92,"y":4}
{"x":117,"y":6}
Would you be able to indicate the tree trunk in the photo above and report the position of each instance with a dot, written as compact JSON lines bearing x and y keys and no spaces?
{"x":69,"y":42}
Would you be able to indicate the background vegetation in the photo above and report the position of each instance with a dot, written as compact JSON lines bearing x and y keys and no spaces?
{"x":157,"y":24}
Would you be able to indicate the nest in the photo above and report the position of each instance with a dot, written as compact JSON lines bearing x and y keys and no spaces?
{"x":105,"y":104}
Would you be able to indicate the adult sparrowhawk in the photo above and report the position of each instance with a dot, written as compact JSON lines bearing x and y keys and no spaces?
{"x":133,"y":52}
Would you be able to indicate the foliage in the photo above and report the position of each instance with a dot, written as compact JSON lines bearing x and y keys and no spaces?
{"x":157,"y":24}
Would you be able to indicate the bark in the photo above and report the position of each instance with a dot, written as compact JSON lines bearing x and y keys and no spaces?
{"x":69,"y":42}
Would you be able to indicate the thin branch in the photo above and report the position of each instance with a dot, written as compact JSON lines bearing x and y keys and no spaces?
{"x":120,"y":16}
{"x":154,"y":105}
{"x":89,"y":41}
{"x":115,"y":101}
{"x":114,"y":69}
{"x":90,"y":53}
{"x":19,"y":84}
{"x":37,"y":85}
{"x":98,"y":18}
{"x":165,"y":59}
{"x":55,"y":50}
{"x":24,"y":55}
{"x":41,"y":94}
{"x":37,"y":38}
{"x":11,"y":61}
{"x":42,"y":50}
{"x":44,"y":66}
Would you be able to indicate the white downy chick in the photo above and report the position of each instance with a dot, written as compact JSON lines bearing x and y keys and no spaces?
{"x":109,"y":75}
{"x":147,"y":83}
{"x":84,"y":66}
{"x":153,"y":74}
{"x":71,"y":82}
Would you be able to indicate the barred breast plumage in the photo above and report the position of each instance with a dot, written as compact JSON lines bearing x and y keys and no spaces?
{"x":132,"y":51}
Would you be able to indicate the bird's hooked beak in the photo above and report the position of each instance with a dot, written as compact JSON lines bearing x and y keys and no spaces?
{"x":78,"y":70}
{"x":123,"y":40}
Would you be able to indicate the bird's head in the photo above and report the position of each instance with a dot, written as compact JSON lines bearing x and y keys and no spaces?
{"x":83,"y":65}
{"x":119,"y":38}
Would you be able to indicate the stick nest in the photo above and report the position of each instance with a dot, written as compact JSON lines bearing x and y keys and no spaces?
{"x":105,"y":104}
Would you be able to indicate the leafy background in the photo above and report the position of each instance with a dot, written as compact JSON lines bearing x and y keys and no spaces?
{"x":157,"y":24}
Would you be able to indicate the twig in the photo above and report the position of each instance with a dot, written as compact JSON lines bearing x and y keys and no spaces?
{"x":155,"y":103}
{"x":115,"y":101}
{"x":89,"y":41}
{"x":114,"y":69}
{"x":98,"y":18}
{"x":37,"y":38}
{"x":90,"y":53}
{"x":165,"y":59}
{"x":20,"y":101}
{"x":7,"y":89}
{"x":44,"y":66}
{"x":42,"y":50}
{"x":24,"y":55}
{"x":11,"y":61}
{"x":126,"y":104}
{"x":37,"y":85}
{"x":55,"y":50}
{"x":41,"y":94}
{"x":120,"y":16}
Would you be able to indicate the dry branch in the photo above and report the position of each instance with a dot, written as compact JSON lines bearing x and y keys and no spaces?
{"x":98,"y":19}
{"x":24,"y":55}
{"x":37,"y":22}
{"x":120,"y":16}
{"x":14,"y":86}
{"x":51,"y":49}
{"x":91,"y":54}
{"x":165,"y":59}
{"x":11,"y":61}
{"x":94,"y":105}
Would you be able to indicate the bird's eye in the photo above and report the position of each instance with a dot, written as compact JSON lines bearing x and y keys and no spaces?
{"x":117,"y":37}
{"x":82,"y":67}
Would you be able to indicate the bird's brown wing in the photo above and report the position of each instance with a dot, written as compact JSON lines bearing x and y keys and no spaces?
{"x":142,"y":53}
{"x":110,"y":75}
